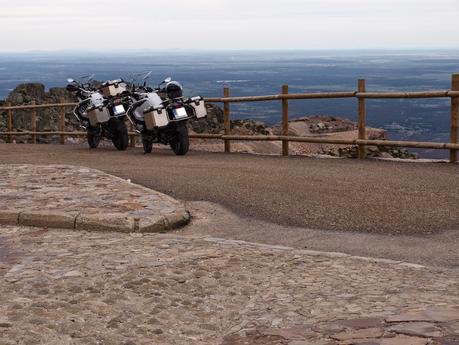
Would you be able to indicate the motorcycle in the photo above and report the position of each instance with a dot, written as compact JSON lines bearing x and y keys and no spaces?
{"x":101,"y":111}
{"x":160,"y":115}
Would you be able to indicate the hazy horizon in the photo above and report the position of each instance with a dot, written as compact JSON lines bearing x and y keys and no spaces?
{"x":222,"y":50}
{"x":229,"y":24}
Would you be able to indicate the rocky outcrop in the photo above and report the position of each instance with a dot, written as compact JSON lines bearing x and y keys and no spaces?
{"x":212,"y":123}
{"x":250,"y":127}
{"x":373,"y":152}
{"x":319,"y":124}
{"x":313,"y":126}
{"x":47,"y":119}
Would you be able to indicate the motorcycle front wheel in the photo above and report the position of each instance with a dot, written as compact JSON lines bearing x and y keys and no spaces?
{"x":121,"y":137}
{"x":147,"y":144}
{"x":180,"y":143}
{"x":94,"y":137}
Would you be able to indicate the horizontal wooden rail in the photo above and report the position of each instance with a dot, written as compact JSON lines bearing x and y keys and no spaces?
{"x":350,"y":94}
{"x":312,"y":95}
{"x":411,"y":144}
{"x":321,"y":140}
{"x":313,"y":140}
{"x":205,"y":136}
{"x":37,"y":106}
{"x":81,"y":133}
{"x":45,"y":133}
{"x":382,"y":95}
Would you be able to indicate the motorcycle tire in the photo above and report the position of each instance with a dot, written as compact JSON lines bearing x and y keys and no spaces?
{"x":180,"y":143}
{"x":94,"y":137}
{"x":147,"y":145}
{"x":121,"y":137}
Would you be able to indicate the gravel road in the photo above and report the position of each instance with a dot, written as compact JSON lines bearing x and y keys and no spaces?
{"x":330,"y":194}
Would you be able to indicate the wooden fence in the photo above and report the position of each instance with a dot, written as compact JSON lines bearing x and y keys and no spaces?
{"x":361,"y":95}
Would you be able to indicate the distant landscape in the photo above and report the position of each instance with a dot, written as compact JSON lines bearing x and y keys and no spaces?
{"x":263,"y":72}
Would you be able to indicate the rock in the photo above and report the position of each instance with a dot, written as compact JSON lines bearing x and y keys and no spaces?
{"x":24,"y":93}
{"x":326,"y":124}
{"x":453,"y":327}
{"x":213,"y":123}
{"x":404,"y":340}
{"x":362,"y":323}
{"x":249,"y":127}
{"x":359,"y":334}
{"x":422,"y":329}
{"x":386,"y":155}
{"x":47,"y":119}
{"x":448,"y":340}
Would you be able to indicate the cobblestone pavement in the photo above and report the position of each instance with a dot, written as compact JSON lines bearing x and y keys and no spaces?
{"x":77,"y":287}
{"x":74,"y":197}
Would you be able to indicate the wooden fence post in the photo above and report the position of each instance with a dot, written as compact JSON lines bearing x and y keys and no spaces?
{"x":285,"y":121}
{"x":454,"y":118}
{"x":9,"y":115}
{"x":34,"y":123}
{"x":62,"y":122}
{"x":362,"y":131}
{"x":226,"y":119}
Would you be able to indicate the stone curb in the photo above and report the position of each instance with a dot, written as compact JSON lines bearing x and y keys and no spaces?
{"x":116,"y":222}
{"x":9,"y":217}
{"x":54,"y":219}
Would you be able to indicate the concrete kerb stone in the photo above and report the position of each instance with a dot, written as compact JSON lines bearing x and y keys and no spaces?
{"x":96,"y":222}
{"x":163,"y":223}
{"x":9,"y":217}
{"x":50,"y":219}
{"x":104,"y":222}
{"x":177,"y":219}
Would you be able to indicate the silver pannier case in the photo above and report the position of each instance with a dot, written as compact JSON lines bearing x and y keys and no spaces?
{"x":199,"y":106}
{"x":151,"y":111}
{"x":155,"y":117}
{"x":113,"y":88}
{"x":98,"y":115}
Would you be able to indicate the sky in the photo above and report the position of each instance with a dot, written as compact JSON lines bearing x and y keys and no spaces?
{"x":227,"y":24}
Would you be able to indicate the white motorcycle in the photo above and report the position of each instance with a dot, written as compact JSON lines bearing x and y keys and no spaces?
{"x":160,"y":115}
{"x":101,"y":116}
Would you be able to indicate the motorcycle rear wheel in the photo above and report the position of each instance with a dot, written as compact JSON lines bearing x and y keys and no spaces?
{"x":180,"y":144}
{"x":121,"y":137}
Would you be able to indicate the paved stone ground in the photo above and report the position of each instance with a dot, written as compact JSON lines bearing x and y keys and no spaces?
{"x":63,"y":196}
{"x":77,"y":287}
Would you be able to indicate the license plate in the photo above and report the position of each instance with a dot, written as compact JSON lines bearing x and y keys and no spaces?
{"x":180,"y":113}
{"x":118,"y":109}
